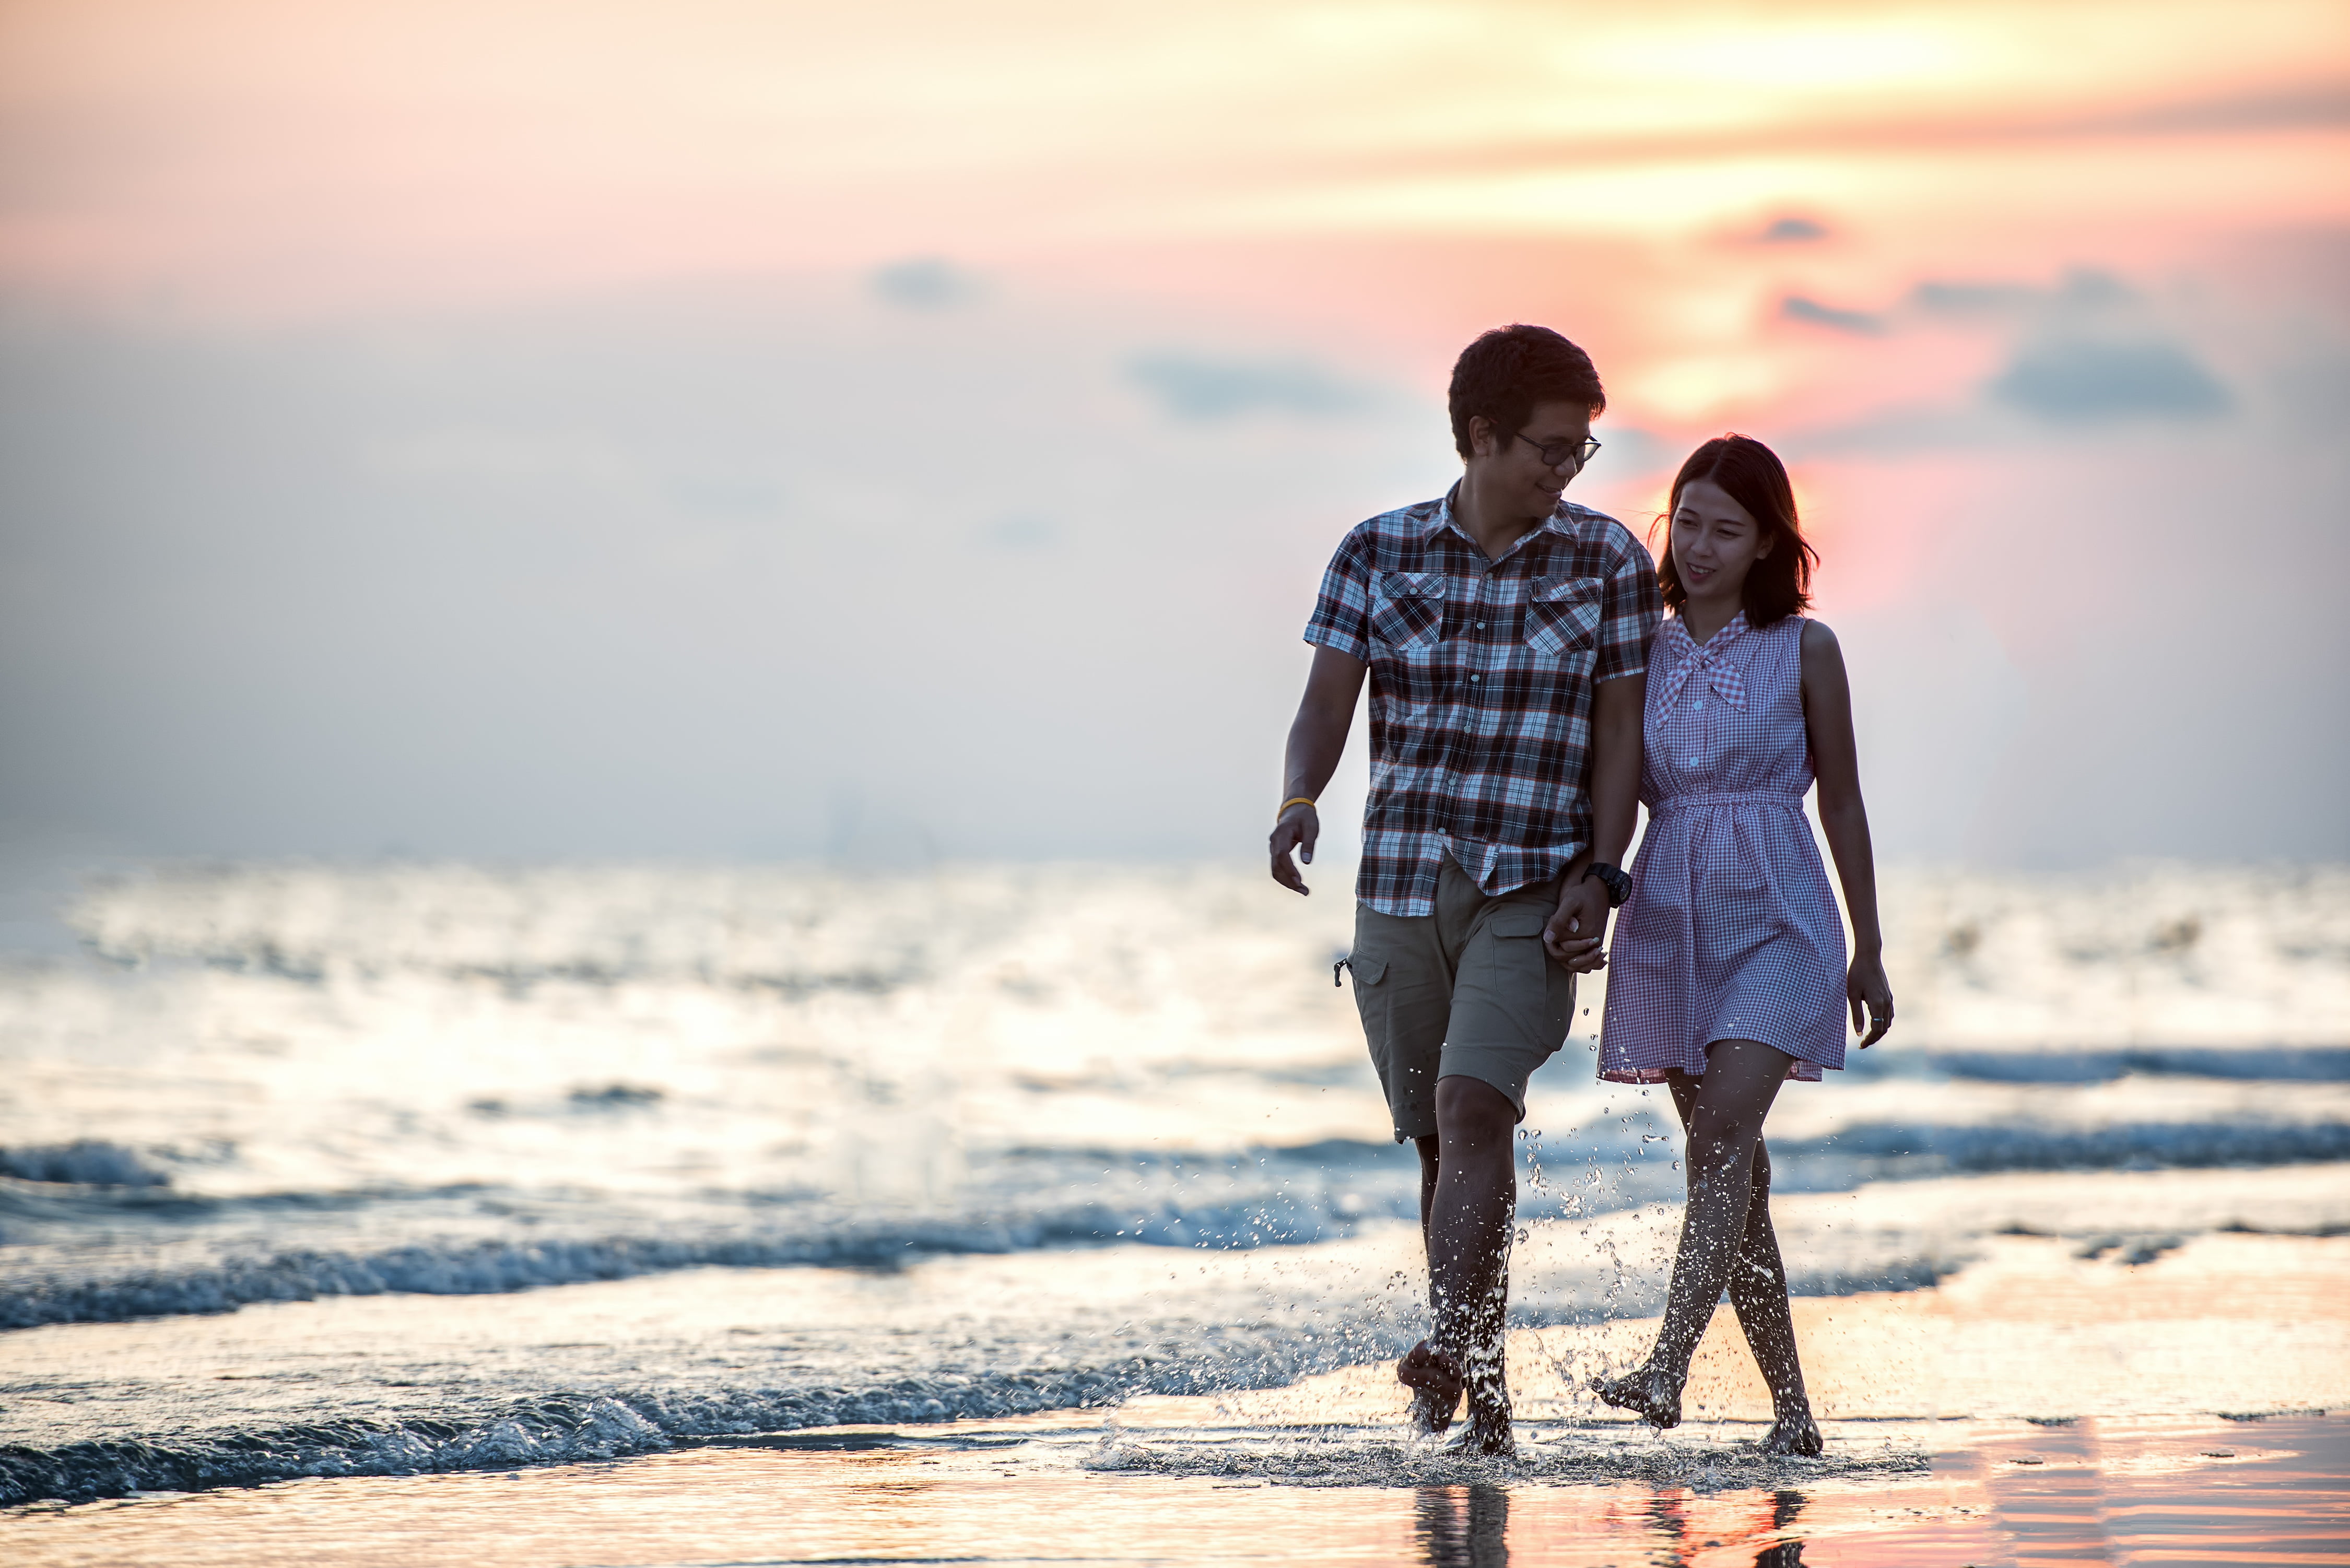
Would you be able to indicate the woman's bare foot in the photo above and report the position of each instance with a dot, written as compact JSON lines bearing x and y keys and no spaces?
{"x":1795,"y":1434}
{"x":1436,"y":1382}
{"x":1646,"y":1392}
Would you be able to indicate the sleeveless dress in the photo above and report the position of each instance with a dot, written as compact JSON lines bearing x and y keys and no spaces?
{"x":1732,"y":931}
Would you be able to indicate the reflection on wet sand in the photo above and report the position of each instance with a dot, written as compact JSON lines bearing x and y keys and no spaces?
{"x":2177,"y":1489}
{"x":1689,"y":1526}
{"x":1463,"y":1526}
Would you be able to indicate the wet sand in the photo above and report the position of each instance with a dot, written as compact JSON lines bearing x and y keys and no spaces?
{"x":2104,"y":1490}
{"x":2038,"y":1408}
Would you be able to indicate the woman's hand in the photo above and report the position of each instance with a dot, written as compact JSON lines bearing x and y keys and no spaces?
{"x":1864,"y":986}
{"x":1572,"y":936}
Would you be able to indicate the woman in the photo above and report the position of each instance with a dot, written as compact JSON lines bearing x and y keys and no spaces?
{"x":1729,"y":977}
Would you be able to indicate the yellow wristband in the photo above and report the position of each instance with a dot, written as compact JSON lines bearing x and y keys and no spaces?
{"x":1293,"y":800}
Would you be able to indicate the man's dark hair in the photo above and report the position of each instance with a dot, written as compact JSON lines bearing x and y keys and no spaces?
{"x":1750,"y":473}
{"x":1507,"y":371}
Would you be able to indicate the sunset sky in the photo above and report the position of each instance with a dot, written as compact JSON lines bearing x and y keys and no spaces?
{"x":902,"y":431}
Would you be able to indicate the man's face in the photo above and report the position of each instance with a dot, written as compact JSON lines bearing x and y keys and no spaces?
{"x":1511,"y":468}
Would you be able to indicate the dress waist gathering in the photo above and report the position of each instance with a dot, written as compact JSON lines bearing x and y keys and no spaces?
{"x":1672,"y":803}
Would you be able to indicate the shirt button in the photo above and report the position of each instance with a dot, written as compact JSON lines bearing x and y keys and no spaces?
{"x":1474,"y":679}
{"x":1480,"y":625}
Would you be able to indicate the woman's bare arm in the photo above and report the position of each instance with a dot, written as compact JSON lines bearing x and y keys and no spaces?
{"x":1843,"y":817}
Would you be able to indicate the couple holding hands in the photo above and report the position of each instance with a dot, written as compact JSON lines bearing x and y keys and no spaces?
{"x":1528,"y":688}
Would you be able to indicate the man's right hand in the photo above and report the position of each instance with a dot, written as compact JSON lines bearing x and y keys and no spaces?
{"x":1299,"y":826}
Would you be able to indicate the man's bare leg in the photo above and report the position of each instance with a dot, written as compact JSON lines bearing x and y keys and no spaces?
{"x":1466,"y":1214}
{"x":1724,"y":1120}
{"x":1434,"y":1378}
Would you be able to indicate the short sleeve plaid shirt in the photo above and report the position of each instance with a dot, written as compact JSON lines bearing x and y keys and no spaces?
{"x":1481,"y":674}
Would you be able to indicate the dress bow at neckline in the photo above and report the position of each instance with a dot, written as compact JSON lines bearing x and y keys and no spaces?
{"x":1719,"y":673}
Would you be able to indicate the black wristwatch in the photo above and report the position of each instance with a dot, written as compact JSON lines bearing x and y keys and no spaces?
{"x":1618,"y":886}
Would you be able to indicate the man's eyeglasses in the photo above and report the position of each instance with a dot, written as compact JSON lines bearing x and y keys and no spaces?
{"x":1558,"y":454}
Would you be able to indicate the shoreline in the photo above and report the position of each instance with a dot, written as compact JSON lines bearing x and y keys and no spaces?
{"x":2035,"y":1386}
{"x":384,"y":1384}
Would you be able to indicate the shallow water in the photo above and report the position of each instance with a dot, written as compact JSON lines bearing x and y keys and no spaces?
{"x":800,"y":1148}
{"x":2142,"y":1491}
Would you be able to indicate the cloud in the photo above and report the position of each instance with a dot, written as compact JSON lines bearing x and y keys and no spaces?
{"x":1792,"y":231}
{"x":1021,"y":531}
{"x":2083,"y":290}
{"x":1796,"y":308}
{"x":2086,"y":380}
{"x":924,"y":282}
{"x":1193,"y":389}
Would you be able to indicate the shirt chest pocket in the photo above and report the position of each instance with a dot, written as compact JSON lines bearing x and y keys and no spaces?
{"x":1407,"y":608}
{"x":1563,"y":616}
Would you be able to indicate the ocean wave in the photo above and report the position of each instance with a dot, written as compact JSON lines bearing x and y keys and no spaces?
{"x":498,"y":1268}
{"x":501,"y":1266}
{"x":1269,"y":1199}
{"x":1920,"y":1149}
{"x":2273,"y":1064}
{"x":609,"y":1425}
{"x":86,"y":1162}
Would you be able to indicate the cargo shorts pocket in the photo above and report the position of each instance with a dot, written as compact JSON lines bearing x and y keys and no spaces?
{"x":1525,"y":983}
{"x":1373,"y":1000}
{"x":1514,"y":932}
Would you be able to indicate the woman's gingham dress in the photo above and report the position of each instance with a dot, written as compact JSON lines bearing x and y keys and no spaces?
{"x":1731,"y":932}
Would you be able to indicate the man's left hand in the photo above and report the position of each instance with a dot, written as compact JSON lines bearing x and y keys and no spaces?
{"x":1573,"y":935}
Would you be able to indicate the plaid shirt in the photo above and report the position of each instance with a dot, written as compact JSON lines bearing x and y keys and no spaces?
{"x":1481,"y":688}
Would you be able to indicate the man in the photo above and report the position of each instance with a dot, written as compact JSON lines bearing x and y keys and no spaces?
{"x":1505,"y":630}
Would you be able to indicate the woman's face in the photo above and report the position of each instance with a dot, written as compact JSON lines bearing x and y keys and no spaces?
{"x":1716,"y":542}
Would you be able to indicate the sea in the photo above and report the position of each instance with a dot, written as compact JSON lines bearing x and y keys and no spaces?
{"x":584,"y":1160}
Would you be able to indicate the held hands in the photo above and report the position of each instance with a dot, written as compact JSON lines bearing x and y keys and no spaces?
{"x":1298,"y":827}
{"x":1864,"y":985}
{"x":1573,"y":936}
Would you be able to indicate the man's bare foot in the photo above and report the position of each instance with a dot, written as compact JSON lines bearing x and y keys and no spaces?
{"x":1795,"y":1434}
{"x":1436,"y":1380}
{"x":1489,"y":1433}
{"x":1646,"y":1392}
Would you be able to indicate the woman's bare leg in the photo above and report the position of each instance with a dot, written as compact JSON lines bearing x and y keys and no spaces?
{"x":1726,"y":1241}
{"x":1758,"y":1294}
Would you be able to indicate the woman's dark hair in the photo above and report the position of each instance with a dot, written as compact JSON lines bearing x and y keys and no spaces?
{"x":1750,"y":473}
{"x":1507,"y":371}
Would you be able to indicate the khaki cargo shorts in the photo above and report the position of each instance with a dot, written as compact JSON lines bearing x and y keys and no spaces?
{"x":1468,"y":991}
